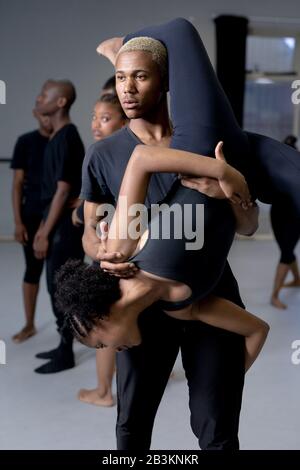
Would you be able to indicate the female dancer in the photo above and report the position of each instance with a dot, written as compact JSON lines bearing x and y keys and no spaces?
{"x":105,"y":310}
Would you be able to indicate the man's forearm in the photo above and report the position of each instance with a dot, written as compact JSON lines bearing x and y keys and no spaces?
{"x":57,"y":206}
{"x":246,"y":220}
{"x":91,"y":242}
{"x":16,"y":200}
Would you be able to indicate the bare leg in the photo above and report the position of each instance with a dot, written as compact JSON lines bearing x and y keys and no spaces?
{"x":295,"y":270}
{"x":102,"y":395}
{"x":30,"y":293}
{"x":281,"y":273}
{"x":224,"y":314}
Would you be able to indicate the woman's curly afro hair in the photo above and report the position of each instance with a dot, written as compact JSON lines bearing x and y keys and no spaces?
{"x":84,"y":294}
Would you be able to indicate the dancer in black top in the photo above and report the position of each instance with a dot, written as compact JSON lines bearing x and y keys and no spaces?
{"x":27,"y":163}
{"x":168,"y":271}
{"x":143,"y":372}
{"x":57,"y":239}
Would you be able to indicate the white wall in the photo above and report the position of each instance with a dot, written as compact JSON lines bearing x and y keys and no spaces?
{"x":57,"y":38}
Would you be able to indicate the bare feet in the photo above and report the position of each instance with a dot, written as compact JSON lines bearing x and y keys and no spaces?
{"x":95,"y":397}
{"x":110,"y":48}
{"x":294,"y":283}
{"x":277,"y":303}
{"x":24,"y":334}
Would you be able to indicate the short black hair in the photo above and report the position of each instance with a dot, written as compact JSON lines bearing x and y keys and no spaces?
{"x":84,"y":294}
{"x":114,"y":100}
{"x":290,"y":140}
{"x":68,"y":90}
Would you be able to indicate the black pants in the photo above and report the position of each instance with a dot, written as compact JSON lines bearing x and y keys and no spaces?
{"x":214,"y":362}
{"x":33,"y":266}
{"x":65,"y":243}
{"x":286,"y":228}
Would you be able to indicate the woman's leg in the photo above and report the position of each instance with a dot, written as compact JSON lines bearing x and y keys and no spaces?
{"x":105,"y":366}
{"x":295,"y":271}
{"x":277,"y":170}
{"x":224,"y":314}
{"x":202,"y":116}
{"x":285,"y":225}
{"x":280,"y":275}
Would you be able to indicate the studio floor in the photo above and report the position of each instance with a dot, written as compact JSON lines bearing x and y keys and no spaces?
{"x":42,"y":412}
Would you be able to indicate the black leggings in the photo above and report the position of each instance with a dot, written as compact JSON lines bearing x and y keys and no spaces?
{"x":286,"y":228}
{"x":201,"y":116}
{"x":34,"y":266}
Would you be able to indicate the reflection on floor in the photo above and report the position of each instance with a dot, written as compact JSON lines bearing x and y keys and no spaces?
{"x":41,"y":412}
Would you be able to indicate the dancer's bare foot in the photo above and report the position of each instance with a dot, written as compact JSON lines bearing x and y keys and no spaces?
{"x":24,"y":334}
{"x":110,"y":48}
{"x":277,"y":303}
{"x":94,"y":397}
{"x":294,"y":283}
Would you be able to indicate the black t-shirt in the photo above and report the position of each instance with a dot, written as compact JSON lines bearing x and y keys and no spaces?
{"x":104,"y":167}
{"x":29,"y":156}
{"x":63,"y":160}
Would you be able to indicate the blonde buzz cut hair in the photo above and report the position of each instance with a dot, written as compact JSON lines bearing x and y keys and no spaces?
{"x":155,"y":47}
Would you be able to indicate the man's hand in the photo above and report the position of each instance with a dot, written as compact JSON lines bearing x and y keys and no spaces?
{"x":40,"y":244}
{"x":110,"y":262}
{"x":21,"y":234}
{"x":208,"y":186}
{"x":76,"y":221}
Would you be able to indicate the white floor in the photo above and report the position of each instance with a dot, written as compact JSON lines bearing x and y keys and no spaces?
{"x":41,"y":412}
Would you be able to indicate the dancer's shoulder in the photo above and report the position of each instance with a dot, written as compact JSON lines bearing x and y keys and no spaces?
{"x":117,"y":146}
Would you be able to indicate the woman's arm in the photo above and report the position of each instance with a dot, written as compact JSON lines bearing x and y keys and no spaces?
{"x":246,"y":221}
{"x":146,"y":160}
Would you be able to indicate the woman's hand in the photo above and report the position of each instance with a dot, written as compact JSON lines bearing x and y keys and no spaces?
{"x":232,"y":182}
{"x":113,"y":262}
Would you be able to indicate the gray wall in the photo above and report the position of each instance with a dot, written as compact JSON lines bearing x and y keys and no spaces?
{"x":57,"y":38}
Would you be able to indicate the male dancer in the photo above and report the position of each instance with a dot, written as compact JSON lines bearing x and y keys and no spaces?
{"x":27,"y":163}
{"x":57,"y":239}
{"x":142,"y":373}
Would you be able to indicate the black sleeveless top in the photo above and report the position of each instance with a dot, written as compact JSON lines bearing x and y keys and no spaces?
{"x":168,"y":255}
